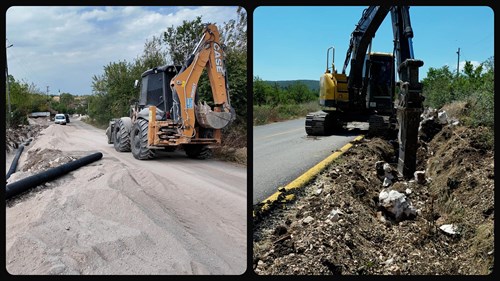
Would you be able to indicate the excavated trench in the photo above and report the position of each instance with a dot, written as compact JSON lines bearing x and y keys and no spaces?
{"x":338,"y":224}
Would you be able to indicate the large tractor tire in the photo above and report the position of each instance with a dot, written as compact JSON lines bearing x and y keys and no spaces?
{"x":198,"y":151}
{"x":110,"y":131}
{"x":139,"y":136}
{"x":122,"y":134}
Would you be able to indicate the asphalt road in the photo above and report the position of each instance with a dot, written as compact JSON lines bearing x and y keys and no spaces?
{"x":283,"y":151}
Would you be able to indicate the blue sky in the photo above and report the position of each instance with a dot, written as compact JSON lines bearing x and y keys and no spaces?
{"x":291,"y":42}
{"x":63,"y":47}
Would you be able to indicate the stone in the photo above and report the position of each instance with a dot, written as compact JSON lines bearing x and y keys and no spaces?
{"x":396,"y":203}
{"x":387,"y":182}
{"x":449,"y":229}
{"x":387,"y":168}
{"x":334,"y":215}
{"x":442,"y":118}
{"x":308,"y":220}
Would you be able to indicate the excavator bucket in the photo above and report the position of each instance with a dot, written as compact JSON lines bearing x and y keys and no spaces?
{"x":212,"y":119}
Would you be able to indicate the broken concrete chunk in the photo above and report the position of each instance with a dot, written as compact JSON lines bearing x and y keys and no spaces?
{"x":449,"y":229}
{"x":396,"y":203}
{"x":308,"y":220}
{"x":381,"y":217}
{"x":387,"y":168}
{"x":442,"y":118}
{"x":334,"y":215}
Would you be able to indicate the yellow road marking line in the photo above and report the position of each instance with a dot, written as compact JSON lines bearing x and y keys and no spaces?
{"x":302,"y":180}
{"x":277,"y":134}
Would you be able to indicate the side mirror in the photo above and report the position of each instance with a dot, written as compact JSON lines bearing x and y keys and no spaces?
{"x":136,"y":83}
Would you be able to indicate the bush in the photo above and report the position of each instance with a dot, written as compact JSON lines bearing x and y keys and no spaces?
{"x":266,"y":114}
{"x":473,"y":86}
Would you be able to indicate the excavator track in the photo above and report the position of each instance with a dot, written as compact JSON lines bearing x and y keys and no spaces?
{"x":379,"y":125}
{"x":321,"y":123}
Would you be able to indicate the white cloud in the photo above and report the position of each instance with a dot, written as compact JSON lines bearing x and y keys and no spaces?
{"x":65,"y":46}
{"x":461,"y":65}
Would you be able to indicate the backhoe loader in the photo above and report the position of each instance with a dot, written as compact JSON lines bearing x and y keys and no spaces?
{"x":168,"y":114}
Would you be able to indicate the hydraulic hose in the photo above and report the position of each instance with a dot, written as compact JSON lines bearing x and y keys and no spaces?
{"x":48,"y":175}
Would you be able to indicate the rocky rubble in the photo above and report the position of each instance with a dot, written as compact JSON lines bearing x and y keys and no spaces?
{"x":352,"y":228}
{"x":16,"y":136}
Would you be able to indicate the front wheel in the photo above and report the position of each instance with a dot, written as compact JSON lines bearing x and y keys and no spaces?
{"x":139,"y":137}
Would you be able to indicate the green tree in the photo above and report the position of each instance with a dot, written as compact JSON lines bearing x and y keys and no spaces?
{"x":298,"y":92}
{"x":22,"y":101}
{"x":152,"y":56}
{"x":66,"y":102}
{"x":438,"y":86}
{"x":114,"y":88}
{"x":261,"y":91}
{"x":234,"y":37}
{"x":182,"y":39}
{"x":475,"y":85}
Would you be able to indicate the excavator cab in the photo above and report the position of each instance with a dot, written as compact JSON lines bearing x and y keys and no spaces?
{"x":379,"y":81}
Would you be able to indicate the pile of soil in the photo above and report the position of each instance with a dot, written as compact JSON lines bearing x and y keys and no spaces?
{"x":16,"y":136}
{"x":362,"y":237}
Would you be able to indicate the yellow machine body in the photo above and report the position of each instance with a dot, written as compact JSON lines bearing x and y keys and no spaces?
{"x":333,"y":89}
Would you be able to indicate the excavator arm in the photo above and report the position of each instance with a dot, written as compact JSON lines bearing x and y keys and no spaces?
{"x":409,"y":101}
{"x":208,"y":54}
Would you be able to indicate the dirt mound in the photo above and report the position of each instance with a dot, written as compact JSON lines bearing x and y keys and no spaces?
{"x":338,"y":225}
{"x":16,"y":136}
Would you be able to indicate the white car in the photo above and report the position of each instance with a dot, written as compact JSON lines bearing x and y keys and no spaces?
{"x":60,"y":119}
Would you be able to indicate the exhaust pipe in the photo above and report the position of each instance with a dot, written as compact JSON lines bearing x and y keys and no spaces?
{"x":51,"y":174}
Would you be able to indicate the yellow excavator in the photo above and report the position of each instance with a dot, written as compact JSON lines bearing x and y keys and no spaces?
{"x":369,"y":92}
{"x":168,"y":115}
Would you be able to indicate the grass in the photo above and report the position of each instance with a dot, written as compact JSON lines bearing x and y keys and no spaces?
{"x":266,"y":114}
{"x":234,"y":145}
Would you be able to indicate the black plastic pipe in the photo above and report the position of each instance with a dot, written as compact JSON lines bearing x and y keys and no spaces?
{"x":53,"y":173}
{"x":13,"y":165}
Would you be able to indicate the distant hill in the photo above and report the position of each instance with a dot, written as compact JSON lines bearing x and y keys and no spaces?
{"x":311,"y":84}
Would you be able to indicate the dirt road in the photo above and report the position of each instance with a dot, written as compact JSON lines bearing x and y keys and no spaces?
{"x":119,"y":215}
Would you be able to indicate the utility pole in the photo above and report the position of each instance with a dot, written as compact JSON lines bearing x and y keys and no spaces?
{"x":458,"y":61}
{"x":8,"y":86}
{"x":47,"y":93}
